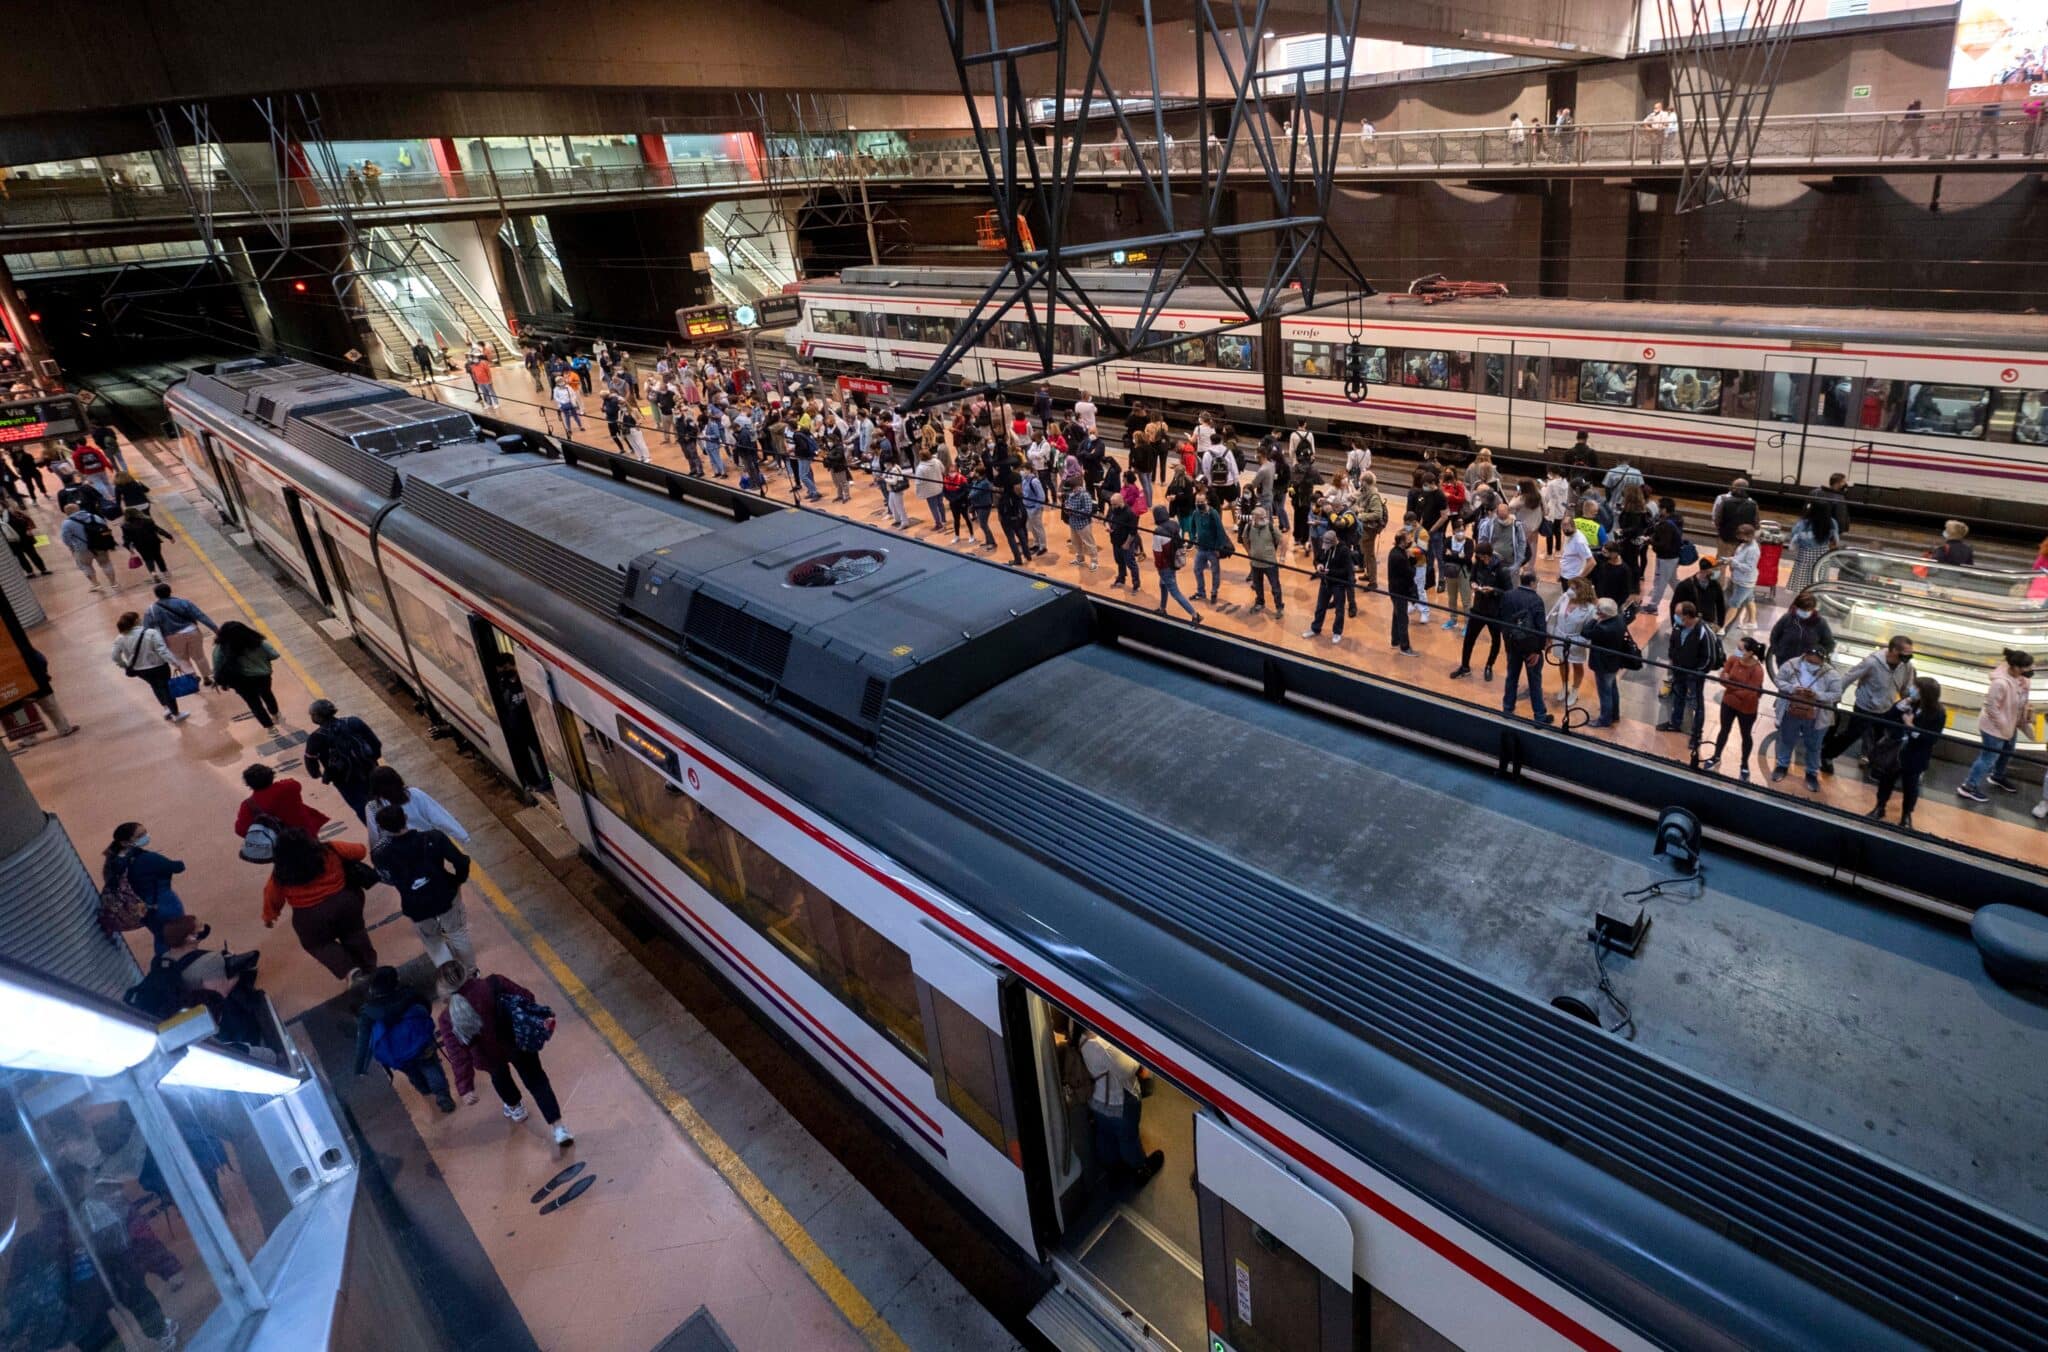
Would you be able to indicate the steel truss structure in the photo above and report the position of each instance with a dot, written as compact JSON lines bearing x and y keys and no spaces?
{"x":1725,"y":59}
{"x":1287,"y":121}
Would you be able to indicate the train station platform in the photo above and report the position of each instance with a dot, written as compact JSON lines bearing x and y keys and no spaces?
{"x":708,"y":1200}
{"x":2003,"y":827}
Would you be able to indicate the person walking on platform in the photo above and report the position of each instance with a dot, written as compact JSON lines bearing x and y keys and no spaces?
{"x":1167,"y":548}
{"x":129,"y":859}
{"x":423,"y":864}
{"x":322,"y":886}
{"x":1695,"y":652}
{"x":397,"y":1028}
{"x":1263,"y":543}
{"x":1808,"y":690}
{"x":1742,"y":690}
{"x":145,"y":540}
{"x":422,"y":813}
{"x":343,"y":752}
{"x":1491,"y":581}
{"x":31,"y":473}
{"x":1903,"y":745}
{"x":180,"y":621}
{"x":1732,"y":511}
{"x":2004,"y":713}
{"x":1610,"y":651}
{"x":1337,"y":572}
{"x":91,"y":541}
{"x":1401,"y":588}
{"x":242,"y":660}
{"x":423,"y":357}
{"x":493,"y":1024}
{"x":19,"y":529}
{"x":280,"y":800}
{"x":568,"y":405}
{"x":1882,"y":679}
{"x":140,"y":652}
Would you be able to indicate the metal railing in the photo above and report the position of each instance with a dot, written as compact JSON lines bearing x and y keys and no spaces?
{"x":1934,"y":136}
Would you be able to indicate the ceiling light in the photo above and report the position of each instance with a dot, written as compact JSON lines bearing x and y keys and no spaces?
{"x":206,"y":1068}
{"x":45,"y":1032}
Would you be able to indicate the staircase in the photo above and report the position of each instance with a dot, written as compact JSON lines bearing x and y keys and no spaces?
{"x":479,"y":320}
{"x":750,"y":247}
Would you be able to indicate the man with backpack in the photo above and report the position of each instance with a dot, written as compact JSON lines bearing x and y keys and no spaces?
{"x":397,"y":1028}
{"x":1695,"y":650}
{"x":1611,"y":651}
{"x":91,"y":541}
{"x":428,"y":872}
{"x":342,"y":752}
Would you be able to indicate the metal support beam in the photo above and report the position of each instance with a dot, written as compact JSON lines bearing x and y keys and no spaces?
{"x":1726,"y":56}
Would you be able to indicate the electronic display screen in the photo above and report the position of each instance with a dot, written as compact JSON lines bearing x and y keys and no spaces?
{"x":2001,"y":53}
{"x":41,"y":418}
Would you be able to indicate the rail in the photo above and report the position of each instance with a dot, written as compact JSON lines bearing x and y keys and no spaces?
{"x":1791,"y":142}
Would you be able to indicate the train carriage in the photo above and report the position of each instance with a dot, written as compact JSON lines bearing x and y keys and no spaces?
{"x":828,"y":757}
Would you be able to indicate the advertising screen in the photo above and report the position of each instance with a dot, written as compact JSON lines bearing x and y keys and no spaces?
{"x":2001,"y":53}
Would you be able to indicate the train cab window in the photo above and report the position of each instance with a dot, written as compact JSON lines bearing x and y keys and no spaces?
{"x":1237,"y":352}
{"x":970,"y":1070}
{"x":1185,"y":352}
{"x":1493,"y":374}
{"x":1947,"y":410}
{"x":2031,"y":429}
{"x":1834,"y":400}
{"x":1564,"y":380}
{"x":1311,"y":361}
{"x":1783,"y":397}
{"x":1428,"y":368}
{"x":1608,"y":382}
{"x":1738,"y":395}
{"x":1688,"y":389}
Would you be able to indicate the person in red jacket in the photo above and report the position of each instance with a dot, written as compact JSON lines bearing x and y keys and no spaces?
{"x":279,"y":798}
{"x":476,"y":1034}
{"x":94,"y":467}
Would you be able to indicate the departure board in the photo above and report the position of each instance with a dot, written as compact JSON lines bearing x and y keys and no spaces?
{"x":701,"y":322}
{"x":41,"y":418}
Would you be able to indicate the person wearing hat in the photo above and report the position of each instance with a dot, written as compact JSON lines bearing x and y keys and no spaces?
{"x":1809,"y":687}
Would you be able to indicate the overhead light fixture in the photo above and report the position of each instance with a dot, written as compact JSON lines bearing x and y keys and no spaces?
{"x":1268,"y":34}
{"x":43,"y":1031}
{"x":208,"y":1068}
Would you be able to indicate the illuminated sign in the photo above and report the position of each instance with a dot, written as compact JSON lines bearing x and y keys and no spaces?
{"x":37,"y":419}
{"x":700,"y":322}
{"x":1124,"y":256}
{"x":744,"y":316}
{"x":2001,"y":51}
{"x":650,"y":748}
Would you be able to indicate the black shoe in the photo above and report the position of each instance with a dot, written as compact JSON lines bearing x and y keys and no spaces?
{"x":1777,"y":774}
{"x":1489,"y":671}
{"x":1827,"y":767}
{"x":1461,"y":673}
{"x":444,"y":1103}
{"x":2004,"y":785}
{"x":1154,"y":1162}
{"x":1667,"y":727}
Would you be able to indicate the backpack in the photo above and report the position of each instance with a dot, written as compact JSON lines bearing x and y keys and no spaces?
{"x":99,"y":536}
{"x":260,"y":844}
{"x":532,"y":1024}
{"x":346,"y":758}
{"x":1688,"y":553}
{"x":398,"y":1045}
{"x":1631,"y":652}
{"x":1166,"y":558}
{"x":161,"y":992}
{"x":1219,"y":470}
{"x":121,"y":906}
{"x":1717,"y":651}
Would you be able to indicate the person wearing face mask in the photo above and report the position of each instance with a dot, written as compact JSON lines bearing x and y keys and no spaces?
{"x":1998,"y":724}
{"x":148,"y":873}
{"x":1809,"y":687}
{"x":1882,"y":679}
{"x":1902,"y":745}
{"x":1732,"y":511}
{"x":1742,"y":688}
{"x":1695,"y":651}
{"x":1799,"y":630}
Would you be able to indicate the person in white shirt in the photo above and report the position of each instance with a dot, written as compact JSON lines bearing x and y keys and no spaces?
{"x":1662,"y":126}
{"x":1357,"y":460}
{"x":1115,"y":1104}
{"x":1084,"y":413}
{"x":1577,"y":558}
{"x":1366,"y":151}
{"x":389,"y":789}
{"x":1742,"y":571}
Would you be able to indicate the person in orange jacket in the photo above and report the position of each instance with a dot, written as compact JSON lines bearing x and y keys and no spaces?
{"x":314,"y":882}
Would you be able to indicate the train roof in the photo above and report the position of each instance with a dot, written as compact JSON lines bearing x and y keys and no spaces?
{"x":1107,"y":286}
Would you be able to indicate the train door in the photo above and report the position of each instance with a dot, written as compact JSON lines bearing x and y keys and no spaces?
{"x":231,"y":484}
{"x":221,"y":494}
{"x":1781,"y":401}
{"x":1510,"y":395}
{"x":1277,"y":1256}
{"x":536,"y":694}
{"x":497,"y":657}
{"x":314,"y":570}
{"x":330,"y":553}
{"x":1834,"y":430}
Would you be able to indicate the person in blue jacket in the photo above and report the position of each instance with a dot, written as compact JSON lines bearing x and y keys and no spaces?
{"x":149,"y":873}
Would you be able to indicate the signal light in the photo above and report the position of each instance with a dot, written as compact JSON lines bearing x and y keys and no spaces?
{"x":298,"y":286}
{"x":35,"y":317}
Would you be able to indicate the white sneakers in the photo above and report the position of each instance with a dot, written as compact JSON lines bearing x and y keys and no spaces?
{"x":2041,"y":810}
{"x":515,"y":1112}
{"x":563,"y":1136}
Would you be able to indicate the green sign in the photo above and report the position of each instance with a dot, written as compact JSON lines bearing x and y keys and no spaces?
{"x":1859,"y":91}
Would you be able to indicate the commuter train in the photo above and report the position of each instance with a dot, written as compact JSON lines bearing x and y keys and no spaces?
{"x":873,"y":784}
{"x":1925,"y":409}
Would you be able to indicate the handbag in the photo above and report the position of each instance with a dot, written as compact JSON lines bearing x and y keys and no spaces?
{"x":135,"y":560}
{"x":358,"y":873}
{"x":183,"y":685}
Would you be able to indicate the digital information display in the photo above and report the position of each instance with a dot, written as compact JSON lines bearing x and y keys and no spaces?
{"x":650,"y":748}
{"x":700,"y":322}
{"x":41,"y":419}
{"x":2001,"y":53}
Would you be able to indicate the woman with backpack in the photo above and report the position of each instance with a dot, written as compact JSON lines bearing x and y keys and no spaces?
{"x":397,"y":1028}
{"x":129,"y":866}
{"x":142,"y":653}
{"x":242,"y":661}
{"x":322,"y":885}
{"x":142,"y":537}
{"x":1167,"y":547}
{"x":493,"y":1024}
{"x":280,"y":802}
{"x":1667,"y":544}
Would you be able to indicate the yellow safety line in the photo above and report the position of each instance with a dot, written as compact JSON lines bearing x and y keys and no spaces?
{"x":788,"y":1231}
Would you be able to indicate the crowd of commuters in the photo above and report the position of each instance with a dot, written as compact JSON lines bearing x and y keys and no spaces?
{"x":1197,"y":509}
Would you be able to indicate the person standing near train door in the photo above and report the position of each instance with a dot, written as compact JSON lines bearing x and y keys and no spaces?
{"x":1116,"y":1102}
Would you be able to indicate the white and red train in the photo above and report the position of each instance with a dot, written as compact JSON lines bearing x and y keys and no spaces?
{"x":1935,"y":410}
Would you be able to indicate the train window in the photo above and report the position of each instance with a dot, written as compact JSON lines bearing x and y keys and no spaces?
{"x":1461,"y":371}
{"x":1073,"y":340}
{"x":1426,"y":368}
{"x":871,"y":324}
{"x":1493,"y":374}
{"x":970,"y":1070}
{"x":1834,"y":400}
{"x":1311,"y":361}
{"x":1688,"y":389}
{"x":1237,"y":352}
{"x":1784,"y":397}
{"x":1186,"y":352}
{"x":892,"y":326}
{"x":2032,"y":427}
{"x":1947,"y":410}
{"x":434,"y":639}
{"x":861,"y":968}
{"x":1528,"y":378}
{"x":938,"y":329}
{"x":362,"y":581}
{"x":1608,"y":382}
{"x":1564,"y":380}
{"x":267,"y":506}
{"x":1738,"y":395}
{"x":1882,"y":403}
